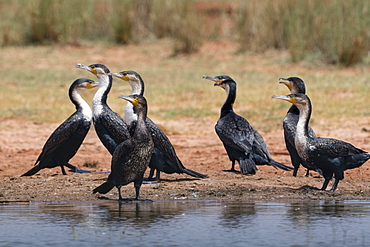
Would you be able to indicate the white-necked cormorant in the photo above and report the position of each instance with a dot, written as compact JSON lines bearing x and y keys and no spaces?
{"x":164,"y":158}
{"x":295,"y":85}
{"x":64,"y":142}
{"x":242,"y":142}
{"x":329,"y":155}
{"x":131,"y":157}
{"x":109,"y":126}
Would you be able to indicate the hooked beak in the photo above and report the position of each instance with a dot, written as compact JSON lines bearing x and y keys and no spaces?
{"x":93,"y":85}
{"x":88,"y":68}
{"x":213,"y":78}
{"x":284,"y":97}
{"x":286,"y":82}
{"x":81,"y":66}
{"x":129,"y":99}
{"x":120,"y":76}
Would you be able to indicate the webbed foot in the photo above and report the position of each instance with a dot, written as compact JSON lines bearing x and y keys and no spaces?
{"x":76,"y":169}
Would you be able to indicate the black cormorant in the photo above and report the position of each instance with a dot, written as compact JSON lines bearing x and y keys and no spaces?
{"x":131,"y":157}
{"x":64,"y":142}
{"x":109,"y":126}
{"x":164,"y":158}
{"x":295,"y":85}
{"x":329,"y":155}
{"x":242,"y":142}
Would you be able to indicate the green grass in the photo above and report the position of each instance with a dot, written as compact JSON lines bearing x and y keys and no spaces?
{"x":35,"y":82}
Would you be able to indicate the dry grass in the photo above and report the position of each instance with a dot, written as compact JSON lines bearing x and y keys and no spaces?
{"x":35,"y":83}
{"x":335,"y":32}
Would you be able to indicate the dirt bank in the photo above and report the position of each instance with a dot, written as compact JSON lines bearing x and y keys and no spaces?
{"x":197,"y":146}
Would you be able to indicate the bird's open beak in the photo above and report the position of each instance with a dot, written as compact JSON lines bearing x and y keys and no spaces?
{"x":120,"y":76}
{"x":284,"y":97}
{"x":81,"y":66}
{"x":129,"y":99}
{"x":213,"y":78}
{"x":286,"y":82}
{"x":88,"y":68}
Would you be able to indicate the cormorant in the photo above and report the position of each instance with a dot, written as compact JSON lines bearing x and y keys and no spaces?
{"x":109,"y":126}
{"x":131,"y":157}
{"x":64,"y":142}
{"x":242,"y":142}
{"x":295,"y":85}
{"x":329,"y":155}
{"x":164,"y":157}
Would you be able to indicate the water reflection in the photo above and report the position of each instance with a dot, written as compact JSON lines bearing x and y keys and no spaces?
{"x":235,"y":215}
{"x":184,"y":223}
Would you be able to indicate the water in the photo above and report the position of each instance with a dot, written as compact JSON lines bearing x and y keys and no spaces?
{"x":186,"y":223}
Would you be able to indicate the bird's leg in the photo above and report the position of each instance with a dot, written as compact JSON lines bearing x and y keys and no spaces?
{"x":326,"y":182}
{"x":339,"y":175}
{"x":294,"y":158}
{"x":151,"y":173}
{"x":307,"y":173}
{"x":137,"y":191}
{"x":232,"y":167}
{"x":150,"y":179}
{"x":119,"y":194}
{"x":137,"y":186}
{"x":335,"y":185}
{"x":63,"y":170}
{"x":158,"y":175}
{"x":295,"y":171}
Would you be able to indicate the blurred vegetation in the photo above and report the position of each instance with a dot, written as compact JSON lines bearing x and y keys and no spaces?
{"x":332,"y":31}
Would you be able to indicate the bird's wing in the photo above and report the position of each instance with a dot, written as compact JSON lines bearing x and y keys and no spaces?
{"x":162,"y":142}
{"x":333,"y":147}
{"x":122,"y":151}
{"x":115,"y":126}
{"x":236,"y":132}
{"x":311,"y":133}
{"x":60,"y":135}
{"x":259,"y":146}
{"x":121,"y":155}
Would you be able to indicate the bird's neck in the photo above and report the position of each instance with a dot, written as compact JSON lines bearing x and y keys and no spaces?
{"x":101,"y":95}
{"x":302,"y":136}
{"x":130,"y":112}
{"x":81,"y":105}
{"x":137,"y":87}
{"x":141,"y":129}
{"x":294,"y":110}
{"x":227,"y":107}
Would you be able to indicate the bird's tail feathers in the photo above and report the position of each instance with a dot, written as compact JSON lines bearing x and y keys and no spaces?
{"x":104,"y":188}
{"x":356,"y":160}
{"x":247,"y":166}
{"x":194,"y":173}
{"x":280,"y":165}
{"x":32,"y":171}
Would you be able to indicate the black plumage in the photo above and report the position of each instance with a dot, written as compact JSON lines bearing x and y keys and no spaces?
{"x":131,"y":157}
{"x":64,"y":142}
{"x":164,"y":157}
{"x":109,"y":126}
{"x":295,"y":85}
{"x":330,"y":156}
{"x":242,"y":142}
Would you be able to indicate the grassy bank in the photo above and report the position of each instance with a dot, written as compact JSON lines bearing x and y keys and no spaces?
{"x":335,"y":32}
{"x":35,"y":83}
